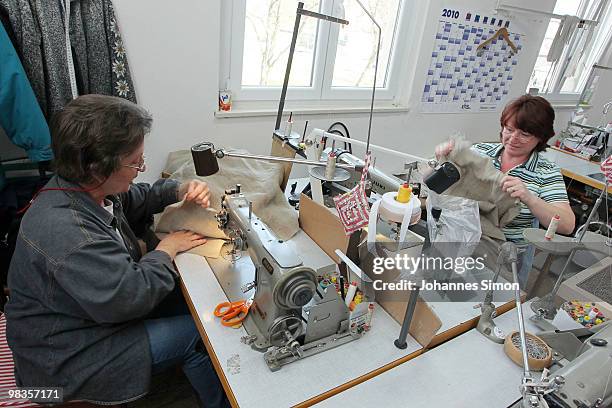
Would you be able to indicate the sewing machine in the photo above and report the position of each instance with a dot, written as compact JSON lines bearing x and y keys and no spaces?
{"x":291,"y":317}
{"x":580,"y":375}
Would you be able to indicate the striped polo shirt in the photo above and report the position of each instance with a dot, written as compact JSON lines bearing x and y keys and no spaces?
{"x":542,"y":178}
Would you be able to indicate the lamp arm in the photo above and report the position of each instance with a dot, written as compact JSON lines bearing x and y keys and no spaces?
{"x":375,"y":71}
{"x":220,"y":153}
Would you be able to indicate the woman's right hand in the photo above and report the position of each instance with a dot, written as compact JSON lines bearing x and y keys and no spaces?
{"x":443,"y":149}
{"x":180,"y":241}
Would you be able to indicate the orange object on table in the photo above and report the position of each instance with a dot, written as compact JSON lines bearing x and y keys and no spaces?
{"x":233,"y":313}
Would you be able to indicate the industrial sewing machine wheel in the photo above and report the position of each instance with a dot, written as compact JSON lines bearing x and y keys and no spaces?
{"x":285,"y":329}
{"x":294,"y":290}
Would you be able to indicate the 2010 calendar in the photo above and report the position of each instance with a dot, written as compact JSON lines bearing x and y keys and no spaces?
{"x":462,"y":79}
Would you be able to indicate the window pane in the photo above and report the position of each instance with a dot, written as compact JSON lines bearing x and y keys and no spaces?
{"x":540,"y":77}
{"x":542,"y":66}
{"x":603,"y":33}
{"x":567,"y":7}
{"x":357,"y":43}
{"x":267,"y":38}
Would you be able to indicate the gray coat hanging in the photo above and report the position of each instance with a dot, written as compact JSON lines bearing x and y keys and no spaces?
{"x":98,"y":53}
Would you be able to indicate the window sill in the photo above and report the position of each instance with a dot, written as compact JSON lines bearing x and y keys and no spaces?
{"x":567,"y":105}
{"x":250,"y":112}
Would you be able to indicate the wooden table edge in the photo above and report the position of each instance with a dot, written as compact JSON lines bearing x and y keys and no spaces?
{"x":209,"y":348}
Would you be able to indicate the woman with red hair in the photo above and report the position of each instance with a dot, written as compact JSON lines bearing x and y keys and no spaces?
{"x":526,"y":126}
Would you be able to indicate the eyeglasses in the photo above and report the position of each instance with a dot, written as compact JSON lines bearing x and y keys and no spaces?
{"x":522,"y":137}
{"x":140,"y":167}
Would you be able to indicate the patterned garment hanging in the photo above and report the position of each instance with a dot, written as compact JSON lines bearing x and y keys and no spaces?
{"x":353,"y":208}
{"x":95,"y":45}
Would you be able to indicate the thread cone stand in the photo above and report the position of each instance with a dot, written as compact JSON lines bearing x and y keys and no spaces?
{"x":544,"y":307}
{"x":486,"y":325}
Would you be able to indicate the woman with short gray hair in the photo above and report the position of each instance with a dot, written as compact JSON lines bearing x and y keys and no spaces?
{"x":82,"y":295}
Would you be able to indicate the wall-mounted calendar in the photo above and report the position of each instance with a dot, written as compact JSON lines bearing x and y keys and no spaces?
{"x":461,"y":79}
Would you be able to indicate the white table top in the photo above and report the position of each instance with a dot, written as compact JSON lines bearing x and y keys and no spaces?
{"x":574,"y":164}
{"x":251,"y":382}
{"x":469,"y":371}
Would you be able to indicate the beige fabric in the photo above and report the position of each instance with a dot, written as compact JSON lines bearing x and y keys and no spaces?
{"x":481,"y":181}
{"x":211,"y":249}
{"x":260,"y":182}
{"x":189,"y":216}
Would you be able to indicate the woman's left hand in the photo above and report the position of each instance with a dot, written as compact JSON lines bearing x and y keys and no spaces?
{"x":516,"y":188}
{"x":195,"y":191}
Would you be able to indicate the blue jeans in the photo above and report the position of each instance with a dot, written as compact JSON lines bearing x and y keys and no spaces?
{"x":173,"y":341}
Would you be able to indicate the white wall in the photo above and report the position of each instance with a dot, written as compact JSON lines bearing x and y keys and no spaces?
{"x":602,"y":94}
{"x":173,"y":50}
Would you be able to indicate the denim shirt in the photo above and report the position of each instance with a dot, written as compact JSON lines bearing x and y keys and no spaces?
{"x":79,"y":293}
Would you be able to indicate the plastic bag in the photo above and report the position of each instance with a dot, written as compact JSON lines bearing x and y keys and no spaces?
{"x":459,"y":222}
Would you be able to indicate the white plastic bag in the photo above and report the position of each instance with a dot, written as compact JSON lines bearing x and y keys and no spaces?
{"x":459,"y":222}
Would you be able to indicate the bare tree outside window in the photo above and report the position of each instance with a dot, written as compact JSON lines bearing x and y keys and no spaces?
{"x":267,"y":36}
{"x":357,"y":43}
{"x":331,"y":61}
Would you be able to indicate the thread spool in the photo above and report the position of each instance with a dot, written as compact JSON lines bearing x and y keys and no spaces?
{"x":368,"y":322}
{"x":404,"y":193}
{"x":330,"y":168}
{"x":552,"y":227}
{"x":289,"y":126}
{"x":393,"y":210}
{"x":319,"y":150}
{"x":350,"y":294}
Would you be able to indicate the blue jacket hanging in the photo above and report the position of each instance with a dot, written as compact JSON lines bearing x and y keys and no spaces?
{"x":20,"y":114}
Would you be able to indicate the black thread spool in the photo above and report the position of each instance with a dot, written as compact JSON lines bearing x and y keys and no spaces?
{"x":204,"y":159}
{"x":443,"y":177}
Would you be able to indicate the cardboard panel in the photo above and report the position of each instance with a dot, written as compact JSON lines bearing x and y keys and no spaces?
{"x":323,"y":227}
{"x":425,"y":322}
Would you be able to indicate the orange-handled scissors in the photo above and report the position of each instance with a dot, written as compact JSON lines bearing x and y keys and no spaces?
{"x":233,"y":313}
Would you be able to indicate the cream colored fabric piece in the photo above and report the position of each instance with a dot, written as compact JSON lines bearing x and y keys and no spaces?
{"x":211,"y":249}
{"x":260,"y":183}
{"x":481,"y":181}
{"x":189,"y":216}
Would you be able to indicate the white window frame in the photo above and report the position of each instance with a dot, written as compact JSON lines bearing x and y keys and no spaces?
{"x":556,"y":95}
{"x":233,"y":13}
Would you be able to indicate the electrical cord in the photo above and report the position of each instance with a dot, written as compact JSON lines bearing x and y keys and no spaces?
{"x":344,"y":133}
{"x":335,"y":132}
{"x":339,"y":153}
